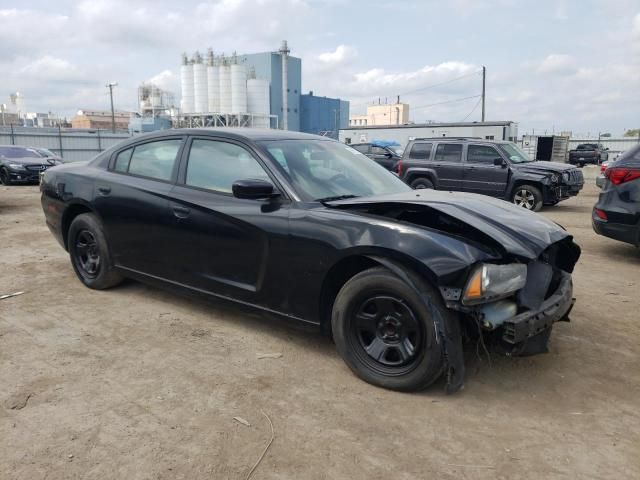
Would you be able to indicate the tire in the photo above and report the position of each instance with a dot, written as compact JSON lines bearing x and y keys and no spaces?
{"x":385,"y":333}
{"x":5,"y":178}
{"x":420,"y":183}
{"x":527,"y":196}
{"x":89,"y":253}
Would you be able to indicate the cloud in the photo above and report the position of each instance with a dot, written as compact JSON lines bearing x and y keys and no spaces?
{"x":52,"y":69}
{"x":340,"y":55}
{"x":167,"y":80}
{"x":559,"y":64}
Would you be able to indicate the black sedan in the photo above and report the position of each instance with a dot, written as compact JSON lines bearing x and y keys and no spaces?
{"x":617,"y":212}
{"x":310,"y":229}
{"x":23,"y":164}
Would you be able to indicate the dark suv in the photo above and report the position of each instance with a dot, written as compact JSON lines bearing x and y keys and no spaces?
{"x":499,"y":169}
{"x":617,"y":213}
{"x":386,"y":154}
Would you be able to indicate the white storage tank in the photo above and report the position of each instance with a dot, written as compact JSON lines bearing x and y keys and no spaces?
{"x":200,"y":88}
{"x":186,"y":81}
{"x":213,"y":84}
{"x":258,"y":101}
{"x":225,"y":88}
{"x":238,"y":88}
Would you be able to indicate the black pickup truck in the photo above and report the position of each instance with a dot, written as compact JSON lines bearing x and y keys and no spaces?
{"x":588,"y":153}
{"x":496,"y":168}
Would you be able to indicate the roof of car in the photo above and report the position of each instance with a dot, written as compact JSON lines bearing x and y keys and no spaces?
{"x":459,"y":139}
{"x":239,"y":132}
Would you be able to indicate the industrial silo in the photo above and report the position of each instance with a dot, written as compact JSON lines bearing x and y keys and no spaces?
{"x":186,"y":80}
{"x":225,"y":86}
{"x":213,"y":83}
{"x":258,"y":102}
{"x":201,"y":103}
{"x":238,"y":88}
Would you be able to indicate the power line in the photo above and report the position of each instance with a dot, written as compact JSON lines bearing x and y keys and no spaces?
{"x":446,"y":101}
{"x":427,"y":87}
{"x":473,"y":109}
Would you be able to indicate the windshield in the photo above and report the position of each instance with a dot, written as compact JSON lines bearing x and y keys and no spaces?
{"x":45,"y":153}
{"x":322,"y":169}
{"x":17,"y":152}
{"x":515,"y":153}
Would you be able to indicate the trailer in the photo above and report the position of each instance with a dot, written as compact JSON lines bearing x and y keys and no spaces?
{"x":404,"y":133}
{"x":549,"y":148}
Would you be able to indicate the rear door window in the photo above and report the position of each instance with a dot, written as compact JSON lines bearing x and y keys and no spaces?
{"x":378,"y":151}
{"x":362,"y":148}
{"x":483,"y":154}
{"x":154,"y":159}
{"x":420,"y":151}
{"x":449,"y":152}
{"x":122,"y":160}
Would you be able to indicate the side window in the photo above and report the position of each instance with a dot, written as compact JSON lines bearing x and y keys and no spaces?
{"x":155,"y":159}
{"x":378,"y":151}
{"x":420,"y":151}
{"x":122,"y":160}
{"x":362,"y":148}
{"x":216,"y":165}
{"x":448,"y":152}
{"x":481,"y":154}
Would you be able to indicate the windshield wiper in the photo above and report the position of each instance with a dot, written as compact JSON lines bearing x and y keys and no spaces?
{"x":334,"y":198}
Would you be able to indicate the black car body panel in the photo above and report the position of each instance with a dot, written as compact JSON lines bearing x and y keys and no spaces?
{"x":620,"y":202}
{"x":284,"y":254}
{"x":556,"y":181}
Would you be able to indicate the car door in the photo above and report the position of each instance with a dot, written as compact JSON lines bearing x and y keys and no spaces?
{"x":447,"y":162}
{"x":481,"y":175}
{"x":223,"y":244}
{"x":131,"y":198}
{"x":383,"y":157}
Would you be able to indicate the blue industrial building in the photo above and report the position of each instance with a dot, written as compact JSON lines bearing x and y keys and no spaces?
{"x":322,"y":115}
{"x":268,"y":65}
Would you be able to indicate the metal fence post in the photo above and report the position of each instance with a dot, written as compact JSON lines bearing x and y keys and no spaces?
{"x":13,"y":140}
{"x":99,"y":142}
{"x":60,"y":141}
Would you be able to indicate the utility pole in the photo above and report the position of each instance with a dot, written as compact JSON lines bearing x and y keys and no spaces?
{"x":484,"y":80}
{"x":113,"y":115}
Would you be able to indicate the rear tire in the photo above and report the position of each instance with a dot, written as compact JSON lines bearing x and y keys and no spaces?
{"x":385,"y":333}
{"x":421,"y":183}
{"x":528,"y":197}
{"x":89,"y":252}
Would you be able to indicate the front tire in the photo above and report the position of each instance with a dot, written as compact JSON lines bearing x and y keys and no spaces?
{"x":421,"y":183}
{"x":385,"y":333}
{"x":5,"y":178}
{"x":528,"y":197}
{"x":89,"y":252}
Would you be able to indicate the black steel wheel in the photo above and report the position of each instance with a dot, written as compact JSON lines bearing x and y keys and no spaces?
{"x":89,"y":252}
{"x":384,"y":330}
{"x":421,"y":183}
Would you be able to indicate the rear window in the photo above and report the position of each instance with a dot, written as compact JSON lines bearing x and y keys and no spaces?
{"x":420,"y":151}
{"x":449,"y":152}
{"x":361,"y":148}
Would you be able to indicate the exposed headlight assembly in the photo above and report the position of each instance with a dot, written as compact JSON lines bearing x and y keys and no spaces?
{"x":490,"y":282}
{"x":16,"y":166}
{"x":554,"y":178}
{"x":565,"y":177}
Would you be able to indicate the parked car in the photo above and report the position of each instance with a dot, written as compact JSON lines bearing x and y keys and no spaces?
{"x":385,"y":153}
{"x":46,"y":153}
{"x":22,"y":164}
{"x":310,"y":229}
{"x":617,"y":213}
{"x":496,"y":168}
{"x":588,"y":153}
{"x":600,"y":179}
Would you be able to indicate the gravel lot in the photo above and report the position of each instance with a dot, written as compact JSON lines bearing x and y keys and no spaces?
{"x":138,"y":383}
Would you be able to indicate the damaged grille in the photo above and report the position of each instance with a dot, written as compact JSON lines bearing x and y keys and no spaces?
{"x":575,"y":177}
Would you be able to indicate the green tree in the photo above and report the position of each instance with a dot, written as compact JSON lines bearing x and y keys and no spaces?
{"x":632,"y":133}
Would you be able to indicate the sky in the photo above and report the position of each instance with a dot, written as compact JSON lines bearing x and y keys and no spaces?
{"x":552,"y":65}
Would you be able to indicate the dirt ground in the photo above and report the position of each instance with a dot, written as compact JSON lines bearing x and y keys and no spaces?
{"x":139,"y":383}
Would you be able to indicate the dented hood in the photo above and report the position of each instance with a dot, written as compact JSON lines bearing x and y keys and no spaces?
{"x":518,"y":231}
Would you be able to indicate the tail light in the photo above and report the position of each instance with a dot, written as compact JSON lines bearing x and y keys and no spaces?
{"x":399,"y":167}
{"x":620,"y":175}
{"x":603,"y":167}
{"x":600,"y":214}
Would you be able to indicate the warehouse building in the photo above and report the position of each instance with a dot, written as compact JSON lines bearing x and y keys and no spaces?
{"x":94,"y":119}
{"x":404,"y":133}
{"x":322,"y":115}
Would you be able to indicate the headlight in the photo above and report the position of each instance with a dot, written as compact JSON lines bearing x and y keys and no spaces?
{"x":489,"y":282}
{"x":565,"y":177}
{"x":16,"y":166}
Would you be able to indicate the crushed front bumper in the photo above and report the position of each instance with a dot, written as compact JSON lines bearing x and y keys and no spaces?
{"x":533,"y":322}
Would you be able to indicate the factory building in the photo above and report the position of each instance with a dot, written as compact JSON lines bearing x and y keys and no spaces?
{"x":322,"y":115}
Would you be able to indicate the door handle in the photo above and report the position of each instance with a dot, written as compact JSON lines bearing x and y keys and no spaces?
{"x":104,"y":190}
{"x":181,"y":212}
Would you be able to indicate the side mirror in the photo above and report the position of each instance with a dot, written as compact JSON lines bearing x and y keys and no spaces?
{"x":499,"y":162}
{"x":253,"y":189}
{"x":388,"y":155}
